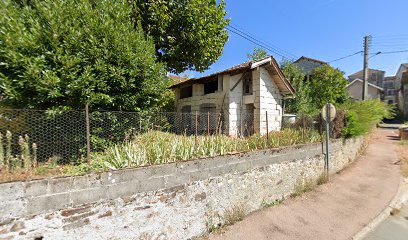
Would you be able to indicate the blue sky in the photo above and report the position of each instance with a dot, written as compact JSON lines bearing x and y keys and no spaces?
{"x":321,"y":29}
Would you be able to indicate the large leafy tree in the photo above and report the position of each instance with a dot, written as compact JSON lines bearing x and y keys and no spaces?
{"x":188,"y":34}
{"x":65,"y":53}
{"x":296,"y":76}
{"x":327,"y":85}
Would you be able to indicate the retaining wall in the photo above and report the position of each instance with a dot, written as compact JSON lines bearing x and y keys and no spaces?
{"x":172,"y":201}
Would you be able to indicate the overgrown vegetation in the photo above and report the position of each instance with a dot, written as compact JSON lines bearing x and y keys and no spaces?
{"x":156,"y":147}
{"x":362,"y":116}
{"x":302,"y":186}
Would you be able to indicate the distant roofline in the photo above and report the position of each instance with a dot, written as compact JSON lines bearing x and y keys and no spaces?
{"x":369,"y":84}
{"x":370,"y":69}
{"x":310,"y":59}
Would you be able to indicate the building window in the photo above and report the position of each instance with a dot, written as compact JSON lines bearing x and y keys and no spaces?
{"x":186,"y":92}
{"x":247,"y":84}
{"x":211,"y":87}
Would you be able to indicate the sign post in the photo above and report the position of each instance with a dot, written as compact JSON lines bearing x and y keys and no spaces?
{"x":328,"y":114}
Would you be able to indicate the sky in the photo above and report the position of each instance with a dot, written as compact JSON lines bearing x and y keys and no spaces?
{"x":320,"y":29}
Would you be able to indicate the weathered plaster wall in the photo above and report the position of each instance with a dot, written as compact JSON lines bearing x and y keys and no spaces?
{"x":173,"y":201}
{"x":356,"y":89}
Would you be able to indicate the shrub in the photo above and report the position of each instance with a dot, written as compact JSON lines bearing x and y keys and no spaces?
{"x":362,"y":116}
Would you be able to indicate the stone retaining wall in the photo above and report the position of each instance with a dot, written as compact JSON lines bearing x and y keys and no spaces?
{"x":172,"y":201}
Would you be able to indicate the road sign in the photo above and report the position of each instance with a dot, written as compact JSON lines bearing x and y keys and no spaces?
{"x":329,"y":111}
{"x":328,"y":114}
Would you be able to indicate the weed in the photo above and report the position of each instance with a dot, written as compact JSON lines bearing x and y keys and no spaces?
{"x":275,"y":202}
{"x":234,"y":214}
{"x":303,"y":186}
{"x":323,"y":178}
{"x":403,"y":152}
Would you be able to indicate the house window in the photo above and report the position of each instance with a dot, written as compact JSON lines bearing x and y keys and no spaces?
{"x":186,"y":92}
{"x":247,"y":84}
{"x":211,"y":87}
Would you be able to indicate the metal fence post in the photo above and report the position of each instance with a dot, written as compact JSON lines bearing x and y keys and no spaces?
{"x":267,"y":128}
{"x":208,"y":124}
{"x":88,"y":137}
{"x":240,"y":117}
{"x":217,"y":131}
{"x":196,"y":126}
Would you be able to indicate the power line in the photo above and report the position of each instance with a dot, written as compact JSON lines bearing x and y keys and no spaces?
{"x":338,"y":59}
{"x":255,"y":41}
{"x":252,"y":39}
{"x":392,"y":52}
{"x":245,"y":32}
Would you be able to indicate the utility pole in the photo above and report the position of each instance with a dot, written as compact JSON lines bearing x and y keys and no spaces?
{"x":365,"y":80}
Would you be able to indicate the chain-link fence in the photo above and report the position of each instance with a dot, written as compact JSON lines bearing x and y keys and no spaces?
{"x":62,"y":136}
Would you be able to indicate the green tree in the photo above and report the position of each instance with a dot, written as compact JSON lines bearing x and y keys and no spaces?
{"x":327,"y":85}
{"x":64,"y":53}
{"x":257,"y":54}
{"x":188,"y":34}
{"x":297,"y":77}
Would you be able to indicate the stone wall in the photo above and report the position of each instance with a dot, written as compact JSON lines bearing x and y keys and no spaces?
{"x":172,"y":201}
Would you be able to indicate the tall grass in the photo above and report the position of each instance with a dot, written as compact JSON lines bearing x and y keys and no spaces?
{"x":155,"y":147}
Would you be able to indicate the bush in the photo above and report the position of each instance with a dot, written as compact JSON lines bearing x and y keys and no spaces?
{"x":362,"y":116}
{"x":61,"y":54}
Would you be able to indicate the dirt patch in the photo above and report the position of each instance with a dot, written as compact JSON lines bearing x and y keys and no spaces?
{"x":403,"y":154}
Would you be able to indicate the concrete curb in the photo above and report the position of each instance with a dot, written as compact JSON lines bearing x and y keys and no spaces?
{"x":400,"y":198}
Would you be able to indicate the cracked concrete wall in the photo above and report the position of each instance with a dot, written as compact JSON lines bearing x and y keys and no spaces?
{"x":172,"y":201}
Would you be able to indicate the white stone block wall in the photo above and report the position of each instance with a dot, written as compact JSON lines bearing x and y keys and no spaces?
{"x":235,"y":98}
{"x":270,"y":101}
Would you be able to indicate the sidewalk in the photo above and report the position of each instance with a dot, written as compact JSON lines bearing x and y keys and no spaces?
{"x":336,"y":210}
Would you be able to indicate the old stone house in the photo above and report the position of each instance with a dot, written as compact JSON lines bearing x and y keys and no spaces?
{"x":241,"y":100}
